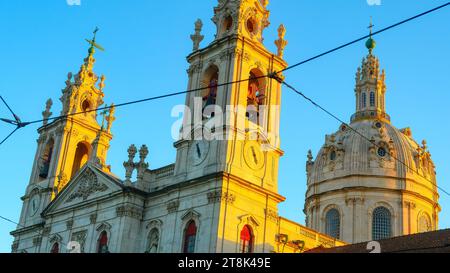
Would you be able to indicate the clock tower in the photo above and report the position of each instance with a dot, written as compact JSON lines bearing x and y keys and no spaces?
{"x":230,"y":132}
{"x":67,"y":143}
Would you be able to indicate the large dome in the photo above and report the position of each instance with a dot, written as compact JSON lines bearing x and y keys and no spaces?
{"x":390,"y":152}
{"x":370,"y":180}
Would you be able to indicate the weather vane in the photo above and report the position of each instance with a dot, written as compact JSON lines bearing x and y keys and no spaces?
{"x":93,"y":43}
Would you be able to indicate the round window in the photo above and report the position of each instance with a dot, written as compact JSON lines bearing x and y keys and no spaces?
{"x":382,"y":152}
{"x":251,"y":26}
{"x":378,"y":124}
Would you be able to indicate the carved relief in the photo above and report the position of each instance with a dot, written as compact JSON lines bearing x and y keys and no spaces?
{"x":129,"y":211}
{"x":80,"y":237}
{"x":88,"y":185}
{"x":217,"y":196}
{"x":173,"y":206}
{"x":272,"y":215}
{"x":214,"y":197}
{"x":93,"y":218}
{"x":69,"y":224}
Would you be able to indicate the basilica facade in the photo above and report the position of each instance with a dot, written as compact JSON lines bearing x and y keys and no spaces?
{"x":221,"y":193}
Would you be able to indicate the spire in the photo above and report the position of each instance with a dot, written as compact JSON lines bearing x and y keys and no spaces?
{"x":371,"y":44}
{"x":89,"y":61}
{"x":370,"y":86}
{"x":81,"y":92}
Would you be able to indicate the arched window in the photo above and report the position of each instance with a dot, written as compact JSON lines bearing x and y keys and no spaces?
{"x":381,"y":224}
{"x":46,"y":159}
{"x":55,"y":248}
{"x":153,"y":241}
{"x":102,"y":243}
{"x":363,"y":100}
{"x":209,"y":93}
{"x":424,"y":223}
{"x":81,"y":157}
{"x":333,"y":223}
{"x":255,"y":95}
{"x":372,"y":99}
{"x":333,"y":155}
{"x":228,"y":23}
{"x":246,"y":240}
{"x":85,"y":106}
{"x":190,"y":235}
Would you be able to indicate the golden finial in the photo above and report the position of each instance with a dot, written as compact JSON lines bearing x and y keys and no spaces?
{"x":371,"y":44}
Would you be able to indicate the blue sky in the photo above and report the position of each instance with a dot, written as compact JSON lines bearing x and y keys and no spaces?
{"x":146,"y":44}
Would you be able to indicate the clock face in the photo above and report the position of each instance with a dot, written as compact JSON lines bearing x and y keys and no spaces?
{"x":34,"y":205}
{"x":199,"y":151}
{"x":253,"y":155}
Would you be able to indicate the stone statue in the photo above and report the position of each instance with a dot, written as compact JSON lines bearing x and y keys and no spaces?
{"x":281,"y":43}
{"x":197,"y":37}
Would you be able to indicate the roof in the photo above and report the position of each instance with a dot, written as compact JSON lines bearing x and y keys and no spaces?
{"x":430,"y":242}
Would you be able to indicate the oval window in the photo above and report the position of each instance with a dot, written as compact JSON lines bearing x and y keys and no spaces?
{"x":250,"y":26}
{"x":85,"y":106}
{"x":382,"y":152}
{"x":333,"y":155}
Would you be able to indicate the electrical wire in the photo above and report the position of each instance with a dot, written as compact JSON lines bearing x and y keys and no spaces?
{"x":329,"y":113}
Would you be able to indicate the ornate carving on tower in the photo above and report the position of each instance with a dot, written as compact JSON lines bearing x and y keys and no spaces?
{"x":309,"y":164}
{"x":129,"y":165}
{"x":140,"y":166}
{"x":244,"y":18}
{"x":46,"y":114}
{"x":281,"y":43}
{"x":333,"y":153}
{"x":424,"y":162}
{"x":370,"y":87}
{"x":197,"y":38}
{"x":82,"y":94}
{"x":110,"y":118}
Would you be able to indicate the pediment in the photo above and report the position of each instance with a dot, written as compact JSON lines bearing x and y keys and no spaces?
{"x":190,"y":214}
{"x":89,"y":184}
{"x":249,"y":219}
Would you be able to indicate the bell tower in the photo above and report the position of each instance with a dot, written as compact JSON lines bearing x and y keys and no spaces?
{"x":230,"y":131}
{"x":67,"y":143}
{"x":233,"y":128}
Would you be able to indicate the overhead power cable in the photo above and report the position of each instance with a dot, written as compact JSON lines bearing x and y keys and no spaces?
{"x":329,"y":113}
{"x":24,"y":124}
{"x":367,"y":36}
